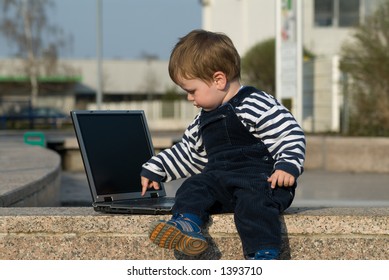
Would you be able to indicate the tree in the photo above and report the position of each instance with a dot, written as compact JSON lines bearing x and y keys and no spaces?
{"x":365,"y":62}
{"x":24,"y":23}
{"x":259,"y":65}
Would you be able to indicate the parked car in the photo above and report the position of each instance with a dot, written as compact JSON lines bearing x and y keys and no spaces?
{"x":48,"y":116}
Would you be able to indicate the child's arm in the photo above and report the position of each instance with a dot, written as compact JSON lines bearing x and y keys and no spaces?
{"x":186,"y":158}
{"x":276,"y":127}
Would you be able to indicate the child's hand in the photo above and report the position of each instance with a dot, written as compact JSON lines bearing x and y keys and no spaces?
{"x":281,"y":178}
{"x":148,"y":184}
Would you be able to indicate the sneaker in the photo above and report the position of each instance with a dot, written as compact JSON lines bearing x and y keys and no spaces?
{"x":179,"y":233}
{"x":267,"y":254}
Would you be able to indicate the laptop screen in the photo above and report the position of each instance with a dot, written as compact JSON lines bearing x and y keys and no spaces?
{"x":115,"y":145}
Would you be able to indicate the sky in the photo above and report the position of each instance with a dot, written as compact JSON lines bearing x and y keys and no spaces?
{"x":131,"y":28}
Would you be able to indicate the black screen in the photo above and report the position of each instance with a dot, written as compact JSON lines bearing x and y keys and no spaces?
{"x":116,"y":145}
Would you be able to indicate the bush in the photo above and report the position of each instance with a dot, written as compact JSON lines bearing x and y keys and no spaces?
{"x":365,"y":61}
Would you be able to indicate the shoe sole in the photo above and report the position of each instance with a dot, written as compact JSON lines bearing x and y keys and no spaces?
{"x":169,"y":237}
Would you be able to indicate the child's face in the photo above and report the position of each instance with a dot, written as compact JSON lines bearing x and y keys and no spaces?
{"x":201,"y":94}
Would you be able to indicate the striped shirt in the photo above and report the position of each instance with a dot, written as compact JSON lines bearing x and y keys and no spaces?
{"x":262,"y":115}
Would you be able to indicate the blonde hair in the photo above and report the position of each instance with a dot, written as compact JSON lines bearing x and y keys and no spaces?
{"x":200,"y":54}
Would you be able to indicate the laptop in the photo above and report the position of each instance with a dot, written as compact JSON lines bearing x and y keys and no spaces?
{"x":113,"y":146}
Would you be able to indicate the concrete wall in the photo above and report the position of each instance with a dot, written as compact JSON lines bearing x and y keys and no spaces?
{"x":348,"y":154}
{"x":81,"y":233}
{"x":338,"y":154}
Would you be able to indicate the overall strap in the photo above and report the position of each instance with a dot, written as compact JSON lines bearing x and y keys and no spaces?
{"x":237,"y":99}
{"x":242,"y":94}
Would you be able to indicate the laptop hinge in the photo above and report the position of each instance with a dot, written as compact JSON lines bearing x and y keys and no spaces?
{"x":154,"y":195}
{"x":108,"y":199}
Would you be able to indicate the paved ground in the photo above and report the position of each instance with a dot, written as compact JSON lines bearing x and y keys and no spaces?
{"x":316,"y":189}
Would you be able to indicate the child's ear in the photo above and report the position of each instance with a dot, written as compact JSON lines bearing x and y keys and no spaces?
{"x":220,"y":80}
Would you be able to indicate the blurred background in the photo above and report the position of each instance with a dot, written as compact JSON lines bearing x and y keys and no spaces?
{"x":57,"y":56}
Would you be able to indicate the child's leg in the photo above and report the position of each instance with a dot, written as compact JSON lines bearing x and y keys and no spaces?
{"x":195,"y":196}
{"x":257,"y":219}
{"x":183,"y":231}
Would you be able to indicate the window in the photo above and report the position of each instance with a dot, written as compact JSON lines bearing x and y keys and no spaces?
{"x":324,"y":12}
{"x":348,"y":13}
{"x":336,"y":13}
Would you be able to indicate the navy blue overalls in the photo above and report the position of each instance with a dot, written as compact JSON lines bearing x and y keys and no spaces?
{"x":235,"y":179}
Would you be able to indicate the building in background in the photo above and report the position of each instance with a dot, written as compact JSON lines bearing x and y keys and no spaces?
{"x":126,"y":85}
{"x":327,"y":24}
{"x":145,"y":84}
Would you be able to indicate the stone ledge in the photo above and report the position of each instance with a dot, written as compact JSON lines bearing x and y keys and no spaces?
{"x":29,"y":175}
{"x":81,"y":233}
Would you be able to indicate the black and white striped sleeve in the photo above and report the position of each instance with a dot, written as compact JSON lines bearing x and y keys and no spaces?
{"x":277,"y":128}
{"x":184,"y":159}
